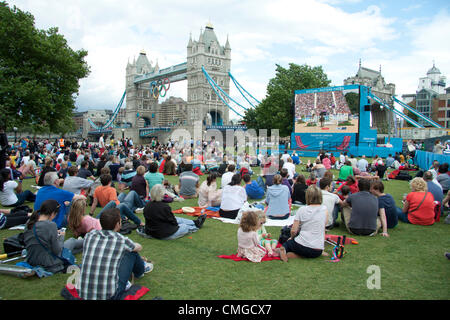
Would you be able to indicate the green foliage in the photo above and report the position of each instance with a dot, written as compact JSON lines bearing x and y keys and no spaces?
{"x":352,"y":99}
{"x":39,"y":74}
{"x":276,"y":110}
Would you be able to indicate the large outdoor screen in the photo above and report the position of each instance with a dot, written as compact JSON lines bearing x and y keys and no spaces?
{"x":326,"y":110}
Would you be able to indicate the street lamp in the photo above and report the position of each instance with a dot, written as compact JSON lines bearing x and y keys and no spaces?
{"x":15,"y":134}
{"x":123,"y":133}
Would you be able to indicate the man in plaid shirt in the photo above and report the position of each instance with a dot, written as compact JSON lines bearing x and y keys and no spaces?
{"x":109,"y":259}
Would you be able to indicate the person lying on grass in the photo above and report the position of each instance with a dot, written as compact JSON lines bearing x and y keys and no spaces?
{"x":109,"y":260}
{"x":310,"y":220}
{"x":79,"y":222}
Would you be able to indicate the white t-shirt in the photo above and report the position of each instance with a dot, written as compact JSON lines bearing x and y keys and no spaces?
{"x":290,"y":168}
{"x":226,"y":178}
{"x":312,"y":231}
{"x":285,"y":156}
{"x":101,"y":142}
{"x":329,"y":200}
{"x":233,"y":198}
{"x":8,"y":196}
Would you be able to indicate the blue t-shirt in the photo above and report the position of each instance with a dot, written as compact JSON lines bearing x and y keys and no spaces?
{"x":388,"y":203}
{"x":53,"y":193}
{"x":254,"y":190}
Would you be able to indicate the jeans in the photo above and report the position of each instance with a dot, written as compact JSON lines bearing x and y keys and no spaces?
{"x":74,"y":245}
{"x":27,"y":195}
{"x":185,"y":226}
{"x":125,"y":211}
{"x":131,"y":263}
{"x":402,"y":216}
{"x":15,"y":219}
{"x":286,"y":216}
{"x":132,"y":200}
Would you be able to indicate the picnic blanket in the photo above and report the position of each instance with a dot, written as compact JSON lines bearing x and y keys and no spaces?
{"x":198,"y":211}
{"x":212,"y":212}
{"x":235,"y":257}
{"x":334,"y":238}
{"x":269,"y":222}
{"x":134,"y":293}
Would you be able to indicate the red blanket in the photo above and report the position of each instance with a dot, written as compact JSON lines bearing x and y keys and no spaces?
{"x":332,"y":237}
{"x":235,"y":257}
{"x":134,"y":293}
{"x":198,"y":212}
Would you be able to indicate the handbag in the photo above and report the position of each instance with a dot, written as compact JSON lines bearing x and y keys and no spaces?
{"x":409,"y":211}
{"x":66,"y":257}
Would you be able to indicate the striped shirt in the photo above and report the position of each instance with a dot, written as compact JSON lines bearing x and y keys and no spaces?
{"x":102,"y":252}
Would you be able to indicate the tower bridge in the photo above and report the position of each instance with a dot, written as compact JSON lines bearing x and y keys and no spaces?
{"x":207,"y":66}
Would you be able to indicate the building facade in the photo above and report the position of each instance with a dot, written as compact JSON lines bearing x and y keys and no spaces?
{"x":431,"y":98}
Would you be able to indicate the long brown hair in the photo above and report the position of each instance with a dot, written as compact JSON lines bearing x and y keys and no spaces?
{"x":76,"y":214}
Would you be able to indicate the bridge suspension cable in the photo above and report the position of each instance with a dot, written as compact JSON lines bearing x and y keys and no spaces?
{"x":239,"y":87}
{"x":113,"y":117}
{"x":219,"y":93}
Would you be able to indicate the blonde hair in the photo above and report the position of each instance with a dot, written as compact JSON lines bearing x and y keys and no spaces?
{"x":76,"y":214}
{"x":313,"y":195}
{"x":261,"y":215}
{"x":277,"y":179}
{"x":250,"y":221}
{"x":418,"y":184}
{"x":140,"y":170}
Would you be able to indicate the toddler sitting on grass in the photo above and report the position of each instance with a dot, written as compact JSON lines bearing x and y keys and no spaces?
{"x":248,"y":243}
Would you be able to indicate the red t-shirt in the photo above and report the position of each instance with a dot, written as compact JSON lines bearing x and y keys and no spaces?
{"x":425,"y":214}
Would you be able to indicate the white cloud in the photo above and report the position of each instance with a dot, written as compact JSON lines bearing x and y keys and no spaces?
{"x":261,"y":33}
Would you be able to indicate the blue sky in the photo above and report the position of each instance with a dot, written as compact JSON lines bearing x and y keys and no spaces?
{"x":404,"y":37}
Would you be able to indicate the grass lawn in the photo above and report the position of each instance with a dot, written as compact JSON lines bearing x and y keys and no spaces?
{"x":411,"y":261}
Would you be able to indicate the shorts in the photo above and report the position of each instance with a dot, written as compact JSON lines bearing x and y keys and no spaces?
{"x":305,"y":252}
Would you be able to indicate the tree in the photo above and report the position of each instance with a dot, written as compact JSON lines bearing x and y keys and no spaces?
{"x":352,"y":99}
{"x":276,"y":111}
{"x":39,"y":75}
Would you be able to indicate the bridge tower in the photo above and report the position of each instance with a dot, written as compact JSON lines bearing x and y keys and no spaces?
{"x":140,"y":104}
{"x":202,"y":102}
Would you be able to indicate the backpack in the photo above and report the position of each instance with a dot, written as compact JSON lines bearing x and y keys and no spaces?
{"x":285,"y":234}
{"x":403,"y":175}
{"x":14,"y":243}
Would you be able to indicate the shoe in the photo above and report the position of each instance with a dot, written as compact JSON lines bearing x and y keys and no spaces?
{"x":447,"y":255}
{"x":148,"y":267}
{"x":128,"y":286}
{"x":178,"y":199}
{"x":199,"y":222}
{"x":139,"y":210}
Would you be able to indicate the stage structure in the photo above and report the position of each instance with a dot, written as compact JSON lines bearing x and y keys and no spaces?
{"x":339,"y":119}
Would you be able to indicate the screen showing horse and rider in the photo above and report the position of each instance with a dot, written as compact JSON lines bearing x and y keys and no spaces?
{"x":326,"y":110}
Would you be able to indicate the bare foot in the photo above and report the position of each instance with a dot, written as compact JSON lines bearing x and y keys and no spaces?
{"x":283,"y":254}
{"x":325,"y":254}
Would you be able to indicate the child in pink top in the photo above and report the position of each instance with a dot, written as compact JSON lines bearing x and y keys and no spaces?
{"x":78,"y":222}
{"x":248,"y":243}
